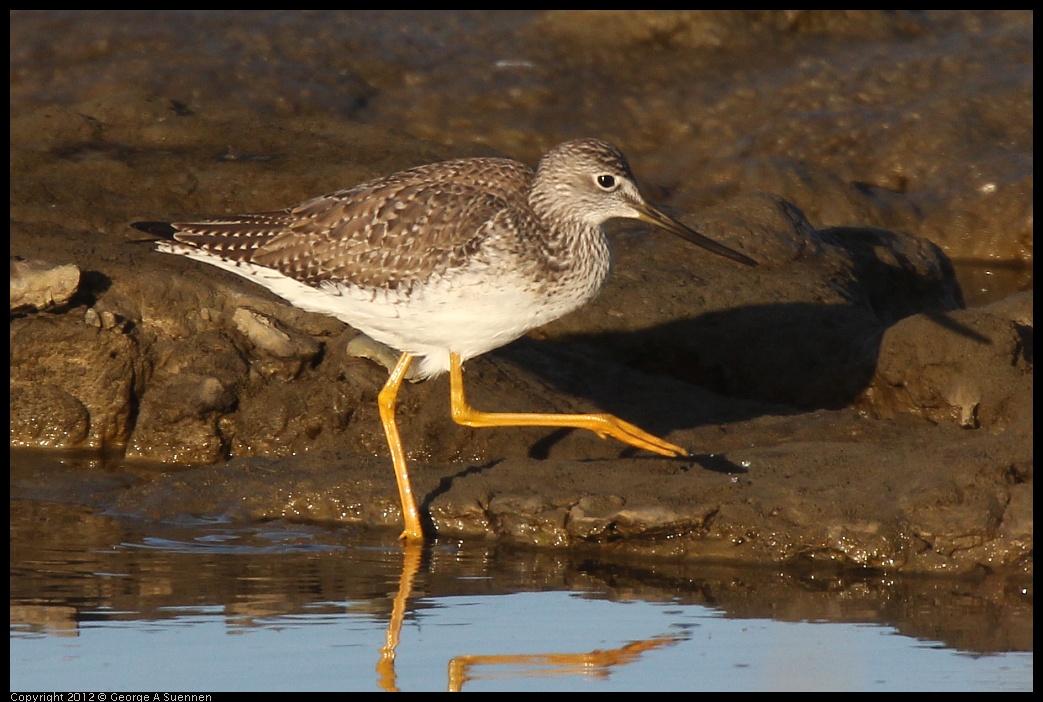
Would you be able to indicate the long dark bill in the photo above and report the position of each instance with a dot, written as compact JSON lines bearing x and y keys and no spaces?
{"x":653,"y":216}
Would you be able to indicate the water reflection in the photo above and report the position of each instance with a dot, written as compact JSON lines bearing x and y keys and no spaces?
{"x":386,"y":667}
{"x":597,"y":662}
{"x":98,"y":598}
{"x":462,"y":668}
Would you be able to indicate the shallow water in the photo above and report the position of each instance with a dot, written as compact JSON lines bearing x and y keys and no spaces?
{"x":329,"y":647}
{"x":104,"y":602}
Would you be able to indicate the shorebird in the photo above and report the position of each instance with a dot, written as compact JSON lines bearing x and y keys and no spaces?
{"x":445,"y":262}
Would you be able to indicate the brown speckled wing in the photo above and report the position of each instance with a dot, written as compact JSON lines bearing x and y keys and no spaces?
{"x":387,"y":233}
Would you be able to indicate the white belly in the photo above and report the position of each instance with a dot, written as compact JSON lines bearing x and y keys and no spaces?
{"x":472,"y":312}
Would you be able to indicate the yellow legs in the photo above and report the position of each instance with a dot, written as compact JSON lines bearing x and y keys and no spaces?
{"x":386,"y":404}
{"x":601,"y":424}
{"x":604,"y":425}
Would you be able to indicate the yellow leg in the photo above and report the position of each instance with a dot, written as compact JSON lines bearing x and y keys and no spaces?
{"x":386,"y":403}
{"x":601,"y":424}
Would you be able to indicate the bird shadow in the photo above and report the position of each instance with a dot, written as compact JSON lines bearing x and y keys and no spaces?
{"x":716,"y":368}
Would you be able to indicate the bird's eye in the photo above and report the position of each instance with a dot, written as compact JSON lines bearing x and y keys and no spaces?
{"x":607,"y":182}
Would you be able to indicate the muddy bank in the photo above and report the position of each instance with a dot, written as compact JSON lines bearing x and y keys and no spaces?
{"x":843,"y":404}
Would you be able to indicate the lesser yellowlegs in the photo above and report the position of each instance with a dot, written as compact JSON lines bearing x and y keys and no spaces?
{"x":445,"y":262}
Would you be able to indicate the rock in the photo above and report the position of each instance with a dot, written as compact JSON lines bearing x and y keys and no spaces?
{"x":61,"y":367}
{"x":39,"y":285}
{"x":970,"y":367}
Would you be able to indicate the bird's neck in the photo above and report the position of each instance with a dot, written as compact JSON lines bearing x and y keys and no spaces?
{"x":567,"y":241}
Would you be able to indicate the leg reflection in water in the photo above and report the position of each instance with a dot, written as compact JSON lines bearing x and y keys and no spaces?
{"x":595,"y":662}
{"x":462,"y":668}
{"x":414,"y":551}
